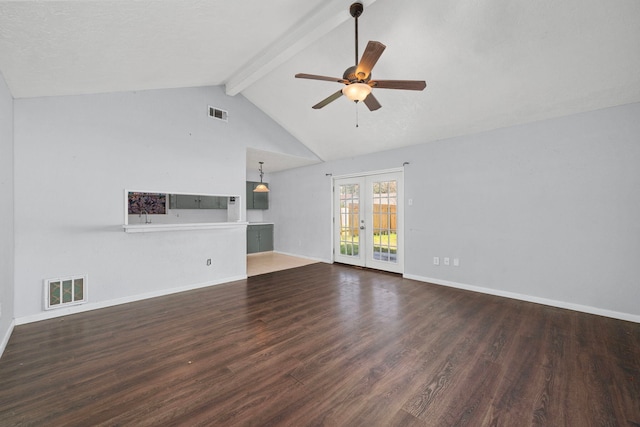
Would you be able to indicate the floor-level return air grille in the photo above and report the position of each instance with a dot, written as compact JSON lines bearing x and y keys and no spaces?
{"x":65,"y":291}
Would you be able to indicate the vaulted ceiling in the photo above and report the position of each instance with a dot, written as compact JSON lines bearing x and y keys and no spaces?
{"x":487,"y":64}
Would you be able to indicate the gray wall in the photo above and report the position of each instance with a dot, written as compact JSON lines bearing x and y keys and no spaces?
{"x":75,"y":156}
{"x":548,"y":211}
{"x":6,"y":213}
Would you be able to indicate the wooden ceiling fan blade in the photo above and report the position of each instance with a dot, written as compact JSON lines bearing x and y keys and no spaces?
{"x":371,"y":102}
{"x":326,"y":78}
{"x":399,"y":84}
{"x":328,"y":100}
{"x":369,"y":58}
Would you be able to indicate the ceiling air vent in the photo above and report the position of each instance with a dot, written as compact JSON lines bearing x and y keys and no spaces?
{"x":217,"y":113}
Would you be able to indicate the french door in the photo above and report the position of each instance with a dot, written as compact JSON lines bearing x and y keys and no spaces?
{"x":368,"y":221}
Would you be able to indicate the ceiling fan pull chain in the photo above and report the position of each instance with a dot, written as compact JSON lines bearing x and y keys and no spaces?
{"x":357,"y":125}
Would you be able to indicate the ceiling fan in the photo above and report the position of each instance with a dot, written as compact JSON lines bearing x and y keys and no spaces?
{"x":357,"y":79}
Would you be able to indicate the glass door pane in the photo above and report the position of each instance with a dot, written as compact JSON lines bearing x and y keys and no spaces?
{"x":384,"y":221}
{"x":348,"y":221}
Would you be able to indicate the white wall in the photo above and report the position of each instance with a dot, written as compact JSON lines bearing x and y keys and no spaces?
{"x":75,"y":155}
{"x":6,"y":214}
{"x":548,"y":211}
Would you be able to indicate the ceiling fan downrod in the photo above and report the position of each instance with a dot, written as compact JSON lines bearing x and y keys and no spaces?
{"x":356,"y":10}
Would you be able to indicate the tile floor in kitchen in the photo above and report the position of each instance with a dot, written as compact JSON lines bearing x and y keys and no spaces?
{"x":266,"y":262}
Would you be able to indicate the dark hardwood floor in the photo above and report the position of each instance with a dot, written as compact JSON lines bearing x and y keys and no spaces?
{"x":323,"y":345}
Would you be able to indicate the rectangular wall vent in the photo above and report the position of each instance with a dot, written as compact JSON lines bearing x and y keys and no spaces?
{"x":65,"y":291}
{"x":217,"y":113}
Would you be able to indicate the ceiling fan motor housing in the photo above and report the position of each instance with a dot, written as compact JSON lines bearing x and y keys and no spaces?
{"x":350,"y":74}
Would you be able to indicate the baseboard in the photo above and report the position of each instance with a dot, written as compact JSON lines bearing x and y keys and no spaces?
{"x":326,"y":261}
{"x":5,"y":339}
{"x":51,"y":314}
{"x":553,"y":303}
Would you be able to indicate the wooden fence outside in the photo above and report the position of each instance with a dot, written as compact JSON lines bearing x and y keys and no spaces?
{"x":384,"y":218}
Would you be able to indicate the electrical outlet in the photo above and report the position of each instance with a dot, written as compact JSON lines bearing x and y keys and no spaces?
{"x":436,"y":260}
{"x":446,"y":260}
{"x":456,"y":262}
{"x":209,"y":261}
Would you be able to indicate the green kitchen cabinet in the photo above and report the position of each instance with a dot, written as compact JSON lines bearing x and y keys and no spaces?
{"x":195,"y":201}
{"x":259,"y":238}
{"x":256,"y":200}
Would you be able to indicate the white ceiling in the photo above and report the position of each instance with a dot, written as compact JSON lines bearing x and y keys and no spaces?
{"x":487,"y":64}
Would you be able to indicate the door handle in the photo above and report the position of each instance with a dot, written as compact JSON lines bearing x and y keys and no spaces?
{"x":362,"y":227}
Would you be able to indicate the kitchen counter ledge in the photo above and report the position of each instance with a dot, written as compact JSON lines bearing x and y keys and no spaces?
{"x":152,"y":228}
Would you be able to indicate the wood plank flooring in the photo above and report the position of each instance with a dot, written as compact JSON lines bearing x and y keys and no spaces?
{"x":323,"y":345}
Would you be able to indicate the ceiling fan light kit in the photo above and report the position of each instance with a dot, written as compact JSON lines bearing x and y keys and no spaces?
{"x":356,"y":91}
{"x":357,"y":78}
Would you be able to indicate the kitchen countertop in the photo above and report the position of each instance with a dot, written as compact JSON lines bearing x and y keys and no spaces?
{"x":150,"y":228}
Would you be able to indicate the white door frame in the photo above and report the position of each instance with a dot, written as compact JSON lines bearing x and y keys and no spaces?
{"x":399,"y":265}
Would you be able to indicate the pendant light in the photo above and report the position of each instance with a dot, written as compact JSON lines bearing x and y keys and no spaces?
{"x":261,"y":188}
